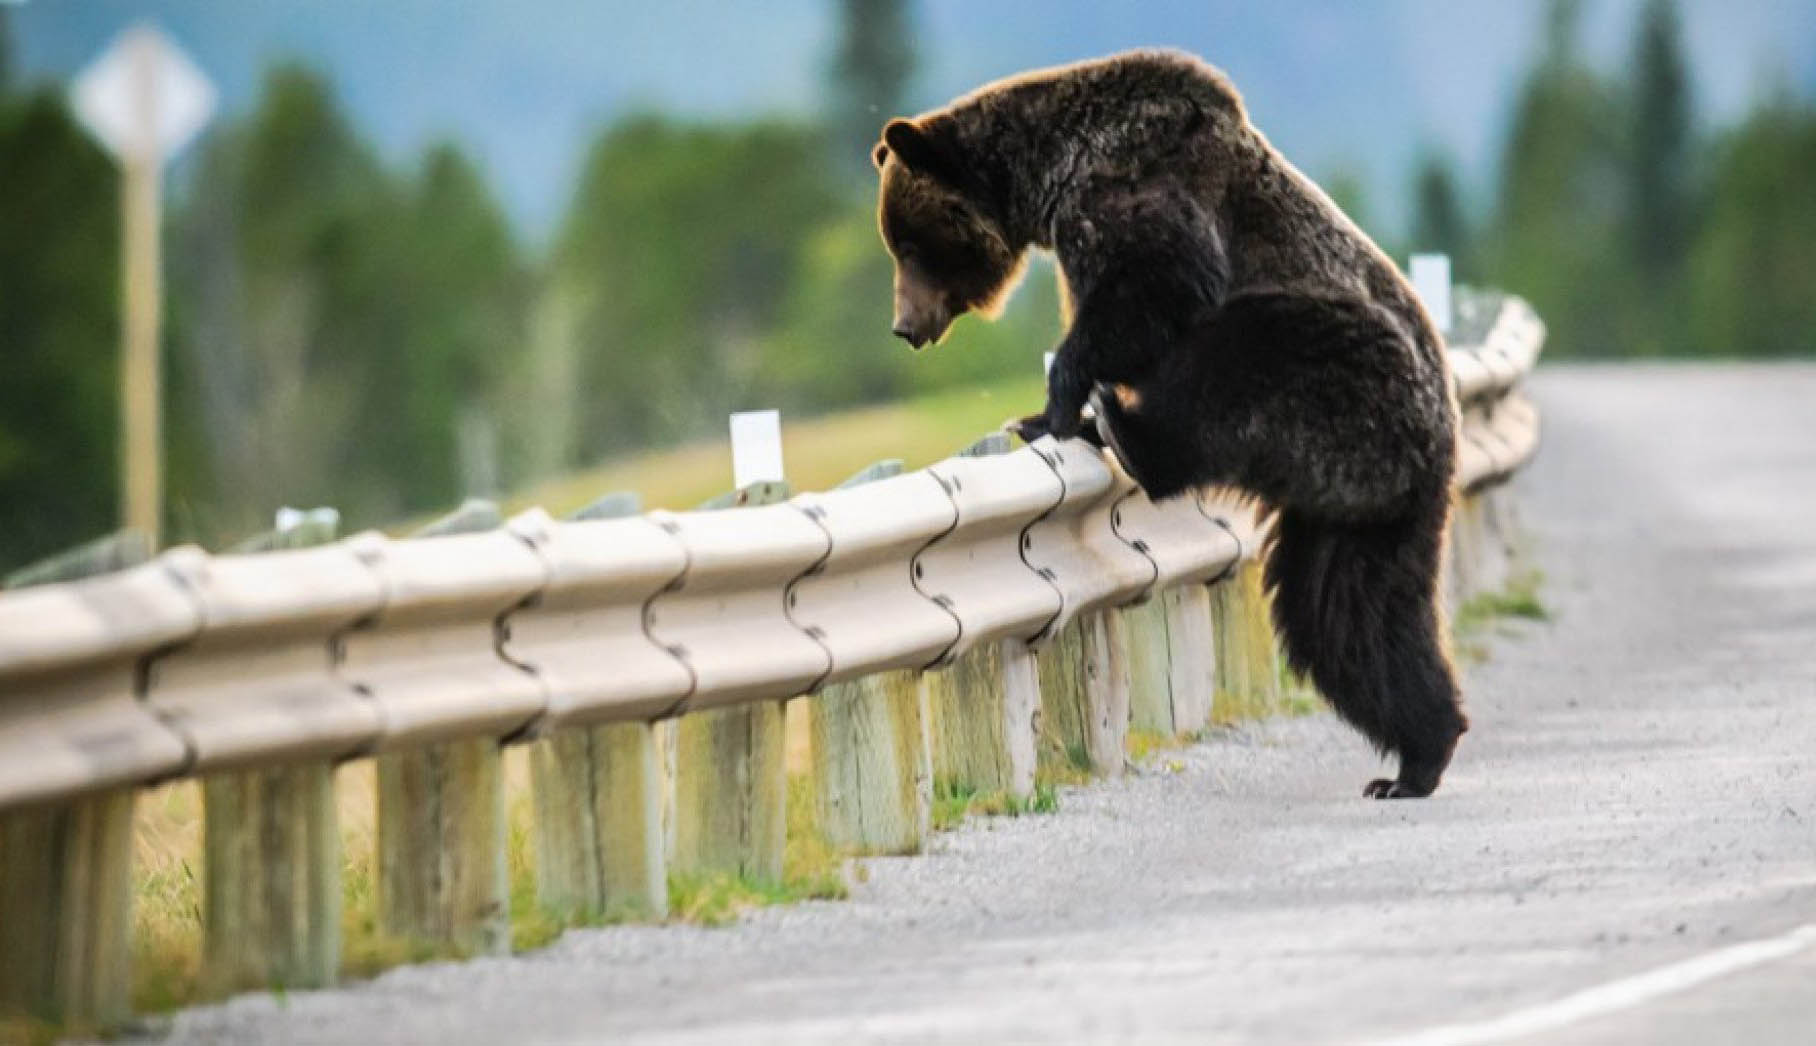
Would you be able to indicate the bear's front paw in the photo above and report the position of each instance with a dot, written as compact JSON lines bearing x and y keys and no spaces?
{"x":1027,"y":429}
{"x":1066,"y":395}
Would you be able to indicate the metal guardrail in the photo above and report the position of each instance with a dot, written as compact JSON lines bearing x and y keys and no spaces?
{"x":195,"y":663}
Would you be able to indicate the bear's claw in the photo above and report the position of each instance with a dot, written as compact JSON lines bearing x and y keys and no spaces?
{"x":1387,"y":788}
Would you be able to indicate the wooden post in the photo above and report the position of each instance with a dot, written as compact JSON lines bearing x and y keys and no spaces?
{"x":873,"y":778}
{"x":1247,"y":665}
{"x":982,"y":711}
{"x":1084,"y":695}
{"x":441,"y":847}
{"x":271,"y":860}
{"x":872,"y":770}
{"x":442,"y":877}
{"x":731,"y":771}
{"x":271,"y":900}
{"x":598,"y":807}
{"x":66,"y":910}
{"x":66,"y":870}
{"x":731,"y":792}
{"x":1150,"y":669}
{"x":599,"y":839}
{"x":1172,"y":655}
{"x":1191,"y":655}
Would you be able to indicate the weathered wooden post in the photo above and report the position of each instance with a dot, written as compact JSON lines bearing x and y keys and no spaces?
{"x":271,"y":860}
{"x":1248,"y":669}
{"x":983,"y":707}
{"x":442,"y":876}
{"x":1085,"y":682}
{"x":982,"y":712}
{"x":872,"y":771}
{"x":1150,"y":667}
{"x":66,"y":865}
{"x":599,"y":798}
{"x":66,"y":910}
{"x":730,"y":770}
{"x":1185,"y":610}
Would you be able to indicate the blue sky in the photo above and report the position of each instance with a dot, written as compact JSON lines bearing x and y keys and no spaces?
{"x":1358,"y":84}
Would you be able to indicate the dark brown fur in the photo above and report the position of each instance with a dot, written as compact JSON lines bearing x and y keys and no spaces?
{"x":1258,"y":337}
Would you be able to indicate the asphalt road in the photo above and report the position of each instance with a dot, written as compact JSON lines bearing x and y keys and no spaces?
{"x":1623,"y":852}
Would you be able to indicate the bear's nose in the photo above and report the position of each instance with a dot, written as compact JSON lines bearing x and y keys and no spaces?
{"x":909,"y":335}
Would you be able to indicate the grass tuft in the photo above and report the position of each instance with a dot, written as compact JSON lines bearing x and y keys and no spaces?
{"x":953,"y":802}
{"x":811,"y":871}
{"x":1519,"y":599}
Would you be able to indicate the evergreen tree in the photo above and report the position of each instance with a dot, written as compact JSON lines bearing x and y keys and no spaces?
{"x":1557,"y":219}
{"x":290,"y":257}
{"x":467,"y":295}
{"x":870,"y":74}
{"x":59,"y":330}
{"x":1438,"y":221}
{"x":6,"y":51}
{"x":677,"y":254}
{"x":1346,"y":189}
{"x":1754,"y":260}
{"x":1658,"y":220}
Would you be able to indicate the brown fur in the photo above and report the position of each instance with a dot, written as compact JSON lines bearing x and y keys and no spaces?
{"x":1263,"y":341}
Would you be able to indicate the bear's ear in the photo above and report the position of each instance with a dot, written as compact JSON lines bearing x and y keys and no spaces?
{"x":880,"y":155}
{"x":923,"y":148}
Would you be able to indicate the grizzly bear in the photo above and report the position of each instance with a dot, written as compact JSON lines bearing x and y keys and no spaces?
{"x":1229,"y":325}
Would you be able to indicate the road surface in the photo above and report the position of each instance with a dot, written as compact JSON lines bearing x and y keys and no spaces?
{"x":1624,"y":851}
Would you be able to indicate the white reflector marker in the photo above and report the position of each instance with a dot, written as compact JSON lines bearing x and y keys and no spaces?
{"x":756,"y":447}
{"x":1431,"y":278}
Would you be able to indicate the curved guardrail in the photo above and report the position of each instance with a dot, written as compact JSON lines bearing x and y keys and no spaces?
{"x":194,"y":664}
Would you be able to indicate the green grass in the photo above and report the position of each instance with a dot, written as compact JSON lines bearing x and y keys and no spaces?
{"x":820,"y":452}
{"x":1518,"y":600}
{"x":953,"y":802}
{"x":811,"y":871}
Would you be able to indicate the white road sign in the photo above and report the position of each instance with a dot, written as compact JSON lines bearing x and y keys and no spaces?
{"x":143,"y":98}
{"x":756,"y":447}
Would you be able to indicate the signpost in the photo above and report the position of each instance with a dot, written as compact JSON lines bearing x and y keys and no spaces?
{"x":143,"y":99}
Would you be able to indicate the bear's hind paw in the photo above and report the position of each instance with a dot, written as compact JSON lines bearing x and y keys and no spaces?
{"x":1387,"y":788}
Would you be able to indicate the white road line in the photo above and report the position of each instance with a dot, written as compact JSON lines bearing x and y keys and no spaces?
{"x":1615,"y":995}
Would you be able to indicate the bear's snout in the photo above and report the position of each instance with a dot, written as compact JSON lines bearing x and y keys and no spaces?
{"x":907,"y":333}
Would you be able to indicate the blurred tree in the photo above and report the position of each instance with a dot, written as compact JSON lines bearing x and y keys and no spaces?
{"x":6,"y":51}
{"x":870,"y":74}
{"x":832,"y":345}
{"x":345,"y":331}
{"x":676,"y":255}
{"x":291,"y":254}
{"x":1754,"y":262}
{"x":1559,"y":210}
{"x":1658,"y":177}
{"x":59,"y":333}
{"x":467,"y":294}
{"x":1438,"y":221}
{"x":1348,"y":189}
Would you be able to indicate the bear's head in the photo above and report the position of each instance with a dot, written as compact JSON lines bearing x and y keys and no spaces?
{"x":951,"y":255}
